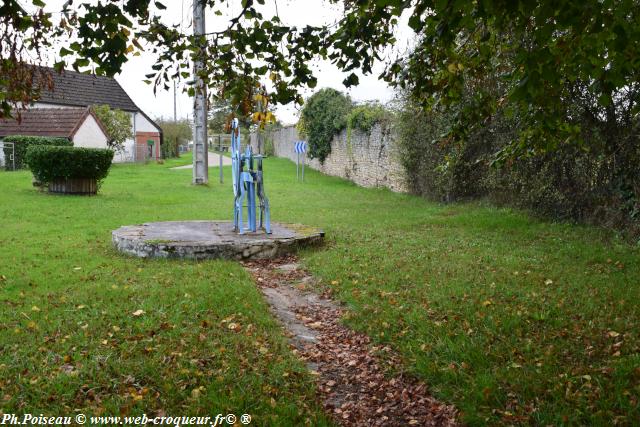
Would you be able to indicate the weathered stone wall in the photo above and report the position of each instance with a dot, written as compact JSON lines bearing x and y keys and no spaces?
{"x":369,"y":160}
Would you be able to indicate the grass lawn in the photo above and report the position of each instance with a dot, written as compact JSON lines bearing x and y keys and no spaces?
{"x":514,"y":320}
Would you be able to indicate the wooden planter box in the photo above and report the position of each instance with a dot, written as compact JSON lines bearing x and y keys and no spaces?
{"x":87,"y":186}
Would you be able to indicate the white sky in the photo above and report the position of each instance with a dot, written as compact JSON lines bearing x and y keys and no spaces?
{"x":291,"y":12}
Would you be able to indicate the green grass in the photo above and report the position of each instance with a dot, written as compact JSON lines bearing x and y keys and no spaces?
{"x":70,"y":338}
{"x":512,"y":319}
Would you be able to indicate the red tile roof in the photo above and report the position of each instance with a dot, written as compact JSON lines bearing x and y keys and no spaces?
{"x":58,"y":122}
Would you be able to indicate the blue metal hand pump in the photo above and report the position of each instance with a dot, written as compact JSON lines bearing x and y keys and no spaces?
{"x":247,"y":184}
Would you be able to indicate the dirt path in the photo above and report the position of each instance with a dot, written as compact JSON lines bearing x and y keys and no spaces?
{"x":214,"y":161}
{"x":353,"y":381}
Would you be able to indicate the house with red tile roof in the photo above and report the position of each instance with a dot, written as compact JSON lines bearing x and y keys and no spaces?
{"x":73,"y":94}
{"x":80,"y":126}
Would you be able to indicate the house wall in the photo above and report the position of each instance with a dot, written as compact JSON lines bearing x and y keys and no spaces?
{"x":127,"y":154}
{"x":143,"y":124}
{"x":144,"y":130}
{"x":134,"y":149}
{"x":142,"y":146}
{"x":90,"y":135}
{"x":368,"y":159}
{"x":131,"y":151}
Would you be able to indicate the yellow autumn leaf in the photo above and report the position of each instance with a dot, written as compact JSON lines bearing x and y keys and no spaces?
{"x":270,"y":118}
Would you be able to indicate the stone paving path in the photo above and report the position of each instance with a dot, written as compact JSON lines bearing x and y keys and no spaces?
{"x":214,"y":161}
{"x":358,"y":382}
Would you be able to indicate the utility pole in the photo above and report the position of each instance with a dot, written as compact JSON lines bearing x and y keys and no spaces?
{"x":200,"y":151}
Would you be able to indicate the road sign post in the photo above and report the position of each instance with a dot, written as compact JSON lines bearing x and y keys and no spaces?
{"x":220,"y":154}
{"x":300,"y":147}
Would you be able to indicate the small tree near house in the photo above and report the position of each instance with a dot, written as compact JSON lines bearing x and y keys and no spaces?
{"x":175,"y":133}
{"x":117,"y":123}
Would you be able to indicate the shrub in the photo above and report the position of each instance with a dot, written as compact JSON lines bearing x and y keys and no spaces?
{"x":324,"y":115}
{"x":49,"y":162}
{"x":597,"y":182}
{"x":364,"y":117}
{"x":269,"y":148}
{"x":174,"y":134}
{"x":21,"y":143}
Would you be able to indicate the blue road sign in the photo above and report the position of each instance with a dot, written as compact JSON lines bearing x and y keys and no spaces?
{"x":300,"y":146}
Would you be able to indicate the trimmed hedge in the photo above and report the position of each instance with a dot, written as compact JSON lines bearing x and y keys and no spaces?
{"x":51,"y":162}
{"x":21,"y":143}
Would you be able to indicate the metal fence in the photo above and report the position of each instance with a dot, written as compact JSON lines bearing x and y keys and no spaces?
{"x":8,"y":155}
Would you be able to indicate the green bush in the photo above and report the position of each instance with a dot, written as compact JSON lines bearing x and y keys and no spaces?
{"x":364,"y":117}
{"x":174,"y":135}
{"x":324,"y":115}
{"x":599,"y":184}
{"x":269,"y":149}
{"x":21,"y":143}
{"x":50,"y":162}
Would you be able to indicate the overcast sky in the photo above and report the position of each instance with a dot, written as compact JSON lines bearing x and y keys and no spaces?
{"x":291,"y":12}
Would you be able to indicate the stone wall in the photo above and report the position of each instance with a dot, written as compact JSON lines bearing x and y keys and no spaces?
{"x":369,"y":160}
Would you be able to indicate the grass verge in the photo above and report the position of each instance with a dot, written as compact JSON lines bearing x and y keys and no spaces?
{"x":514,"y":320}
{"x":84,"y":329}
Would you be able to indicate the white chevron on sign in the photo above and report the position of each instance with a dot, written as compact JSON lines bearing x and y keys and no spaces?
{"x":300,"y":146}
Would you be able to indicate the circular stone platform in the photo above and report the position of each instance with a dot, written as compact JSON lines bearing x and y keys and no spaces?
{"x":210,"y":240}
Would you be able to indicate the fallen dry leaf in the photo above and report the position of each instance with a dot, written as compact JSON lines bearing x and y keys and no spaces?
{"x":356,"y":387}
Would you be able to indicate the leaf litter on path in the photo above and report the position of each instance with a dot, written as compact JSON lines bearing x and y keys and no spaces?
{"x":356,"y":386}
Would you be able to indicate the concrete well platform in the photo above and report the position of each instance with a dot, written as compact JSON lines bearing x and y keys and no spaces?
{"x":211,"y":240}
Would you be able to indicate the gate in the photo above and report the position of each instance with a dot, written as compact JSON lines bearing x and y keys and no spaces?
{"x":8,"y":155}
